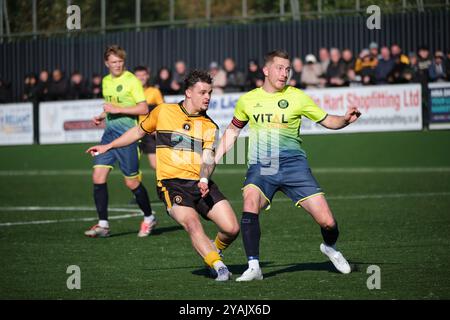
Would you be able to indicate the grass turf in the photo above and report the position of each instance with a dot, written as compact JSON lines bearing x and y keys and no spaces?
{"x":390,"y":193}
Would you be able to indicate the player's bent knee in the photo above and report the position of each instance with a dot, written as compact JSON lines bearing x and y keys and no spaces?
{"x":99,"y":178}
{"x":132,"y":183}
{"x":327,"y":223}
{"x":232,"y":231}
{"x":253,"y":201}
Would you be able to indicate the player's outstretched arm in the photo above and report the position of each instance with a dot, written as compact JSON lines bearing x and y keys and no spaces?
{"x":126,"y":139}
{"x":227,"y":141}
{"x":139,"y":109}
{"x":206,"y":170}
{"x":339,"y":122}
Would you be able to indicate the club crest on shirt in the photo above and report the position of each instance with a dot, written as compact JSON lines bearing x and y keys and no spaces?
{"x":283,"y":104}
{"x":187,"y":126}
{"x":119,"y":88}
{"x":177,"y":199}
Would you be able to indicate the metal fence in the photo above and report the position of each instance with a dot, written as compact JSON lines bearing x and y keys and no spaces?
{"x":199,"y":46}
{"x":281,"y":10}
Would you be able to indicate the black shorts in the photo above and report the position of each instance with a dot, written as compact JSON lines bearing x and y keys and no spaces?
{"x":186,"y":193}
{"x":148,"y":143}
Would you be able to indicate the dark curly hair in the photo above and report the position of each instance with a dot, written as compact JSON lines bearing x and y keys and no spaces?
{"x":195,"y":76}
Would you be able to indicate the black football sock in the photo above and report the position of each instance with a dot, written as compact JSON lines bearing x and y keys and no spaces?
{"x":101,"y":200}
{"x":143,"y":200}
{"x":331,"y":235}
{"x":251,"y":234}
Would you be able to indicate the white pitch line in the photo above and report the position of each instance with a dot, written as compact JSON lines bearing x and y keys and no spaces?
{"x":224,"y":171}
{"x":38,"y":208}
{"x":20,"y":223}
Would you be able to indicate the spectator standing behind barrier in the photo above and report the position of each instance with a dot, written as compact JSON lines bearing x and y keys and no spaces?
{"x":438,"y":72}
{"x":410,"y":71}
{"x":324,"y":59}
{"x":366,"y":67}
{"x":219,"y":78}
{"x":77,"y":87}
{"x":30,"y":93}
{"x":42,"y":86}
{"x":255,"y":76}
{"x":5,"y":91}
{"x":57,"y":88}
{"x":348,"y":60}
{"x":447,"y":65}
{"x":423,"y":76}
{"x":336,"y":69}
{"x":401,"y":73}
{"x":371,"y":62}
{"x":164,"y":81}
{"x":352,"y":79}
{"x":383,"y":70}
{"x":296,"y":76}
{"x":177,"y":84}
{"x":374,"y":52}
{"x":311,"y":73}
{"x":95,"y":88}
{"x":396,"y":53}
{"x":235,"y":78}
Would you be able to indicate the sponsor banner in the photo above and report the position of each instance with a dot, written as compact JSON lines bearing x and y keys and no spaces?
{"x":439,"y":105}
{"x":16,"y":123}
{"x":69,"y":121}
{"x":383,"y":108}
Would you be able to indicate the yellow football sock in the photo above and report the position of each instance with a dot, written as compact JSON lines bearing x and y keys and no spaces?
{"x":220,"y":244}
{"x":212,"y":258}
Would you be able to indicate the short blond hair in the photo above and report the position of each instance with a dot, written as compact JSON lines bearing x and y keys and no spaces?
{"x":115,"y":50}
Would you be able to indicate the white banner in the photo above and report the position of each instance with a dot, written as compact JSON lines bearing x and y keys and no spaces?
{"x":69,"y":121}
{"x":16,"y":123}
{"x":383,"y":108}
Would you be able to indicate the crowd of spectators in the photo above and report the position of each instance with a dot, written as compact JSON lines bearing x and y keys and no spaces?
{"x":333,"y":68}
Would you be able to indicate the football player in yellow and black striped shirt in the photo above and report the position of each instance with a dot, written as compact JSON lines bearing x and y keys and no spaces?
{"x":185,"y":144}
{"x":124,"y":102}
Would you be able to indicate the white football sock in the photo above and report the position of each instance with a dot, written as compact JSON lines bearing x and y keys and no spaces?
{"x":149,"y":219}
{"x":253,"y":264}
{"x":103,"y":223}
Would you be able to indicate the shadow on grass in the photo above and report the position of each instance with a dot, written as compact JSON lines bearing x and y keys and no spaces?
{"x":156,"y":232}
{"x":286,"y":268}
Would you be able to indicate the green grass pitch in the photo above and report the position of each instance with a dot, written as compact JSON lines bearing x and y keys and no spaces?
{"x":390,"y":193}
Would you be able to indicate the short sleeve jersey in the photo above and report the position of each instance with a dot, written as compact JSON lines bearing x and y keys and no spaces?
{"x":124,"y":91}
{"x":275,"y":120}
{"x":180,"y":140}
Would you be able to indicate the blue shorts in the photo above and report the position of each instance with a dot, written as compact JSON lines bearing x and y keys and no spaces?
{"x":292,"y":176}
{"x":128,"y":157}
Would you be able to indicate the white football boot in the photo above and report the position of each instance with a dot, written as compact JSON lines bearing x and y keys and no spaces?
{"x":336,"y":258}
{"x":251,"y":274}
{"x":97,"y":232}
